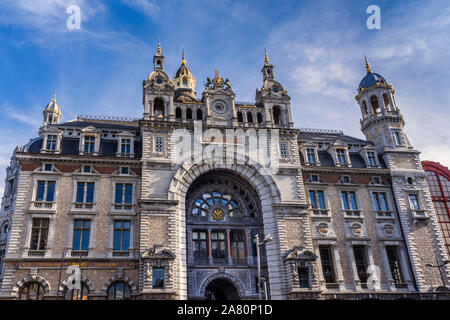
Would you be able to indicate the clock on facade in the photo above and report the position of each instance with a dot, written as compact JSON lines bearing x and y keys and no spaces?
{"x":220,"y":108}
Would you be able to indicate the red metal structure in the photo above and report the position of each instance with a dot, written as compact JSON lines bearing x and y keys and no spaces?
{"x":438,"y":178}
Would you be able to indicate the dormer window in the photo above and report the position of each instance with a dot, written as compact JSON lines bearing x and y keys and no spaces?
{"x":340,"y":157}
{"x":125,"y":147}
{"x":89,"y":144}
{"x":311,"y":155}
{"x":371,"y":159}
{"x":51,"y":142}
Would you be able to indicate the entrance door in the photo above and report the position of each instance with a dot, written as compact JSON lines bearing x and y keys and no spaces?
{"x":221,"y":289}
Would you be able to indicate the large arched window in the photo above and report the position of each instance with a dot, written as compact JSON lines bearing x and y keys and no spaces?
{"x":364,"y":109}
{"x":204,"y":204}
{"x":158,"y":108}
{"x":199,"y":114}
{"x":188,"y":113}
{"x":119,"y":291}
{"x":178,"y":113}
{"x":239,"y":116}
{"x":259,"y":117}
{"x":77,"y":294}
{"x":32,"y":291}
{"x":387,"y":103}
{"x":375,"y":105}
{"x":249,"y":117}
{"x":276,"y":115}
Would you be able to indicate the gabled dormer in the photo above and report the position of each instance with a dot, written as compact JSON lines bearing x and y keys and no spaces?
{"x":90,"y":141}
{"x":51,"y":142}
{"x":370,"y":156}
{"x":339,"y":152}
{"x":310,"y":154}
{"x":125,"y":144}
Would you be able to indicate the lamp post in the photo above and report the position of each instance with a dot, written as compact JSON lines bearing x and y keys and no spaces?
{"x":439,"y":266}
{"x":258,"y":244}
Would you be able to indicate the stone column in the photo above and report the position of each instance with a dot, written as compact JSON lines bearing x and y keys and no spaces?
{"x":230,"y":259}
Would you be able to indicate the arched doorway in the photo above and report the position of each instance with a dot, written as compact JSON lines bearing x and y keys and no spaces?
{"x":221,"y":289}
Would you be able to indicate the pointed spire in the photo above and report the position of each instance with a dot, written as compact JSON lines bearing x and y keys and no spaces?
{"x":159,"y":47}
{"x":367,"y":64}
{"x":266,"y":58}
{"x":54,"y":97}
{"x":182,"y":56}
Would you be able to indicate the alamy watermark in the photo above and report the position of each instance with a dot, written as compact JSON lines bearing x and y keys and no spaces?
{"x":374,"y":20}
{"x":73,"y":22}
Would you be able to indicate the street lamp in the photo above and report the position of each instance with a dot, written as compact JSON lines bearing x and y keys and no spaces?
{"x":258,"y":244}
{"x":439,"y":266}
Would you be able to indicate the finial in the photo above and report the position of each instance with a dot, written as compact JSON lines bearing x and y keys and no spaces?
{"x":159,"y":47}
{"x":367,"y":64}
{"x":266,"y":59}
{"x":182,"y":56}
{"x":217,"y":73}
{"x":54,"y":96}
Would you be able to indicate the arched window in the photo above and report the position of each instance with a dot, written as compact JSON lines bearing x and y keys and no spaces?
{"x":119,"y":291}
{"x":185,"y":82}
{"x":178,"y":113}
{"x":386,"y":101}
{"x":188,"y":113}
{"x":32,"y":291}
{"x":276,"y":115}
{"x":364,"y":109}
{"x":75,"y":294}
{"x":249,"y":117}
{"x":239,"y":116}
{"x":259,"y":117}
{"x":199,"y":114}
{"x":207,"y":201}
{"x":5,"y":228}
{"x":375,"y":105}
{"x":158,"y":108}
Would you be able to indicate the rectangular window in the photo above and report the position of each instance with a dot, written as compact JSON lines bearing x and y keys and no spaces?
{"x":89,"y":144}
{"x":124,"y":193}
{"x":159,"y":144}
{"x":414,"y":202}
{"x":379,"y":201}
{"x":311,"y":155}
{"x":45,"y":191}
{"x":121,"y":235}
{"x":199,"y":243}
{"x":158,"y":278}
{"x":371,"y":157}
{"x":326,"y":259}
{"x":349,"y":202}
{"x":10,"y":188}
{"x":218,"y":245}
{"x":48,"y":167}
{"x":398,"y":138}
{"x":303,"y":277}
{"x":237,"y":243}
{"x":359,"y":253}
{"x":126,"y":146}
{"x":317,"y":199}
{"x":284,"y":150}
{"x":340,"y":156}
{"x":394,"y":264}
{"x":39,"y":233}
{"x":51,"y":142}
{"x":87,"y":169}
{"x":85,"y":192}
{"x":81,"y":233}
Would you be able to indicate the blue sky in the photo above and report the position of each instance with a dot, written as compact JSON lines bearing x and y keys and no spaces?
{"x":317,"y":49}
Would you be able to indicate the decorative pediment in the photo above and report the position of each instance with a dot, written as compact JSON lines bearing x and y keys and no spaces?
{"x":299,"y":254}
{"x":90,"y":129}
{"x":126,"y":134}
{"x":158,"y":253}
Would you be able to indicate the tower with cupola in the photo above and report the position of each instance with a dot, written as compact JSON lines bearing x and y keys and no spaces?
{"x":383,"y":124}
{"x":274,"y":98}
{"x":52,"y":113}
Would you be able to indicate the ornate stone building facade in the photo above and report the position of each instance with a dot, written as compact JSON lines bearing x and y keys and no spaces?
{"x":143,"y":219}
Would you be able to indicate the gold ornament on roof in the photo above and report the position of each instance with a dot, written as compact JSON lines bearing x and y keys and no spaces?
{"x":183,"y":62}
{"x":367,"y":65}
{"x":266,"y":58}
{"x":159,"y":47}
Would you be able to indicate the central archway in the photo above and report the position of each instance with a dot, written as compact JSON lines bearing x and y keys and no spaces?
{"x":221,"y":289}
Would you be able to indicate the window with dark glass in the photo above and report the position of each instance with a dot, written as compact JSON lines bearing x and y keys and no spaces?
{"x":359,"y":253}
{"x":158,"y":278}
{"x":125,"y":146}
{"x":51,"y":142}
{"x":237,"y":243}
{"x":39,"y":233}
{"x":314,"y":178}
{"x":81,"y":233}
{"x":394,"y":264}
{"x":239,"y":117}
{"x":48,"y":167}
{"x":85,"y":192}
{"x":371,"y":157}
{"x":303,"y":277}
{"x":311,"y":155}
{"x":89,"y":144}
{"x":199,"y":114}
{"x":124,"y":193}
{"x":326,"y":259}
{"x":87,"y":169}
{"x":45,"y":191}
{"x":119,"y":291}
{"x":121,"y":235}
{"x":340,"y":156}
{"x":259,"y":117}
{"x":32,"y":291}
{"x":218,"y":244}
{"x":200,"y":246}
{"x":188,"y":113}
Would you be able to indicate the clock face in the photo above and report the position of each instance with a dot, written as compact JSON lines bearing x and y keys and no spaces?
{"x":220,"y":108}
